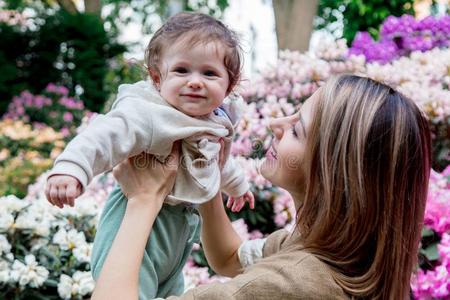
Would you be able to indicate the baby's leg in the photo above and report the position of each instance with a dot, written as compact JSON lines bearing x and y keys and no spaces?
{"x":188,"y":232}
{"x":175,"y":229}
{"x":107,"y":228}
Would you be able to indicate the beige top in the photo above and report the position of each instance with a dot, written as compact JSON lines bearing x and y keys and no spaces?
{"x":282,"y":274}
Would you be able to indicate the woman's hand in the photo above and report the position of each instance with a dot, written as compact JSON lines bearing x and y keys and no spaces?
{"x":143,"y":176}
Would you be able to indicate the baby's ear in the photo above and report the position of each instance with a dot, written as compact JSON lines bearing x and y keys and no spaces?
{"x":154,"y":75}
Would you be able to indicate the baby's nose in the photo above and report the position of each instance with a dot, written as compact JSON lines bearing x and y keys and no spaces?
{"x":195,"y":83}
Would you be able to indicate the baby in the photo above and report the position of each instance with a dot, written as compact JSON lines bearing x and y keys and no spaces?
{"x":194,"y":63}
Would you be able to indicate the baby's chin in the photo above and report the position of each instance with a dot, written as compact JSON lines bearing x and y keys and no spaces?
{"x":194,"y":111}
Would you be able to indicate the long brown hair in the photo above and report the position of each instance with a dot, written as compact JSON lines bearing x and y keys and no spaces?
{"x":367,"y":180}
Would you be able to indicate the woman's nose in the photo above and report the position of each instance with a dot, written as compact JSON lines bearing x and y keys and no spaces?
{"x":276,"y":127}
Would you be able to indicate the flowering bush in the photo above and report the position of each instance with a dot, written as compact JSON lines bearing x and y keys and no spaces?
{"x":432,"y":280}
{"x":423,"y":76}
{"x":45,"y":251}
{"x":26,"y":153}
{"x":54,"y":109}
{"x":400,"y":36}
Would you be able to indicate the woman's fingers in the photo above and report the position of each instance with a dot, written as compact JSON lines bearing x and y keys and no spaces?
{"x":173,"y":160}
{"x":221,"y":153}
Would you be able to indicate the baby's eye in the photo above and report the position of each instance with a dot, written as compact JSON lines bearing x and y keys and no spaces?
{"x":180,"y":70}
{"x":210,"y":73}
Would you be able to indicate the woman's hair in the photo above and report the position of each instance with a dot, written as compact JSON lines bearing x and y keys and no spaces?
{"x":193,"y":29}
{"x":366,"y":186}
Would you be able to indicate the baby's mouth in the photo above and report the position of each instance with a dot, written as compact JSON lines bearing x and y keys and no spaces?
{"x":196,"y":96}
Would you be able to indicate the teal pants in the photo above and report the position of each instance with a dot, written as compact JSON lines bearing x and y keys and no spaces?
{"x":169,"y":245}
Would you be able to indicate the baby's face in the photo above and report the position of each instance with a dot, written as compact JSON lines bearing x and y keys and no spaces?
{"x":194,"y":79}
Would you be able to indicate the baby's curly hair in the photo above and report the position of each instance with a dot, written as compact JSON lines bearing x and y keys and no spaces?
{"x":196,"y":28}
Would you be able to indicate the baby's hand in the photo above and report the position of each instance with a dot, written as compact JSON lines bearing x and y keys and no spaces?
{"x":236,"y":204}
{"x":62,"y":189}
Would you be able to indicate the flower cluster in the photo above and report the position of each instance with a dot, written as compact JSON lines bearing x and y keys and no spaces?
{"x":12,"y":17}
{"x":55,"y":109}
{"x":45,"y":250}
{"x":432,"y":281}
{"x":400,"y":36}
{"x":279,"y":89}
{"x":26,"y":153}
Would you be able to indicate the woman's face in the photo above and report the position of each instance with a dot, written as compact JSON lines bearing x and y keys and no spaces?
{"x":284,"y":165}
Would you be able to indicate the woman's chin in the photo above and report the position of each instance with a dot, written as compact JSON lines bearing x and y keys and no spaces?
{"x":268,"y":169}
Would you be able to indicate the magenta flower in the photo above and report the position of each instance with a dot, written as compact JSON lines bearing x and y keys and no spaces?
{"x":56,"y":89}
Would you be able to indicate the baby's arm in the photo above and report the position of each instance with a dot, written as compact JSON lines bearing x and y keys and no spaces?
{"x":125,"y":131}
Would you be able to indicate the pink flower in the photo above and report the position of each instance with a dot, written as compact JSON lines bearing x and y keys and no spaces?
{"x":68,"y":117}
{"x":284,"y":209}
{"x":65,"y":131}
{"x":56,"y":89}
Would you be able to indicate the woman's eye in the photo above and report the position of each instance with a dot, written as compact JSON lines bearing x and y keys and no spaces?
{"x":210,"y":73}
{"x":180,"y":70}
{"x":293,"y":131}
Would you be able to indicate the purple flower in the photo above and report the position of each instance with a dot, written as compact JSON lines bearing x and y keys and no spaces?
{"x":56,"y":89}
{"x":399,"y":36}
{"x":68,"y":117}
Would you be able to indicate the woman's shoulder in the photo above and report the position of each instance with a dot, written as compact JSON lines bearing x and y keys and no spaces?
{"x":294,"y":273}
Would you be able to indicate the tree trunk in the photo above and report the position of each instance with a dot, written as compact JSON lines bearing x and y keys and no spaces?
{"x":93,"y":6}
{"x":68,"y":5}
{"x":294,"y":23}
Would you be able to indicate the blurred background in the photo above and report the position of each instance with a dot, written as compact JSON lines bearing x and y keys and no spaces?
{"x":61,"y":62}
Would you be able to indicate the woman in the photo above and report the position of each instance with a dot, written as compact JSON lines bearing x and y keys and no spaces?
{"x":356,"y":160}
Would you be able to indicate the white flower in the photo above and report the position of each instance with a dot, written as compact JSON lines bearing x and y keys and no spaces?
{"x":29,"y":273}
{"x":4,"y":271}
{"x":38,"y":243}
{"x":69,"y":240}
{"x":65,"y":286}
{"x":83,"y":252}
{"x":12,"y":204}
{"x":6,"y":220}
{"x":5,"y":246}
{"x":80,"y":284}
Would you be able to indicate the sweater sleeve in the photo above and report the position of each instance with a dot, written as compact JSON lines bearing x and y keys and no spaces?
{"x":123,"y":132}
{"x":233,"y":181}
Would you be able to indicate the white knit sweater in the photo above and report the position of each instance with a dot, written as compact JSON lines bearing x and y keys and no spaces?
{"x":141,"y":120}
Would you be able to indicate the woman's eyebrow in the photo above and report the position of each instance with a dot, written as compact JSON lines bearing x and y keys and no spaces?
{"x":302,"y":122}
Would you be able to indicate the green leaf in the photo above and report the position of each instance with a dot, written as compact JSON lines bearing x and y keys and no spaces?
{"x":426,"y":232}
{"x":431,"y":252}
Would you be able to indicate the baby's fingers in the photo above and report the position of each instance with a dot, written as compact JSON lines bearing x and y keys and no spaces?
{"x":71,"y":194}
{"x":241,"y":205}
{"x":53,"y":194}
{"x":237,"y":205}
{"x":62,"y":194}
{"x":251,"y":200}
{"x":230,"y":202}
